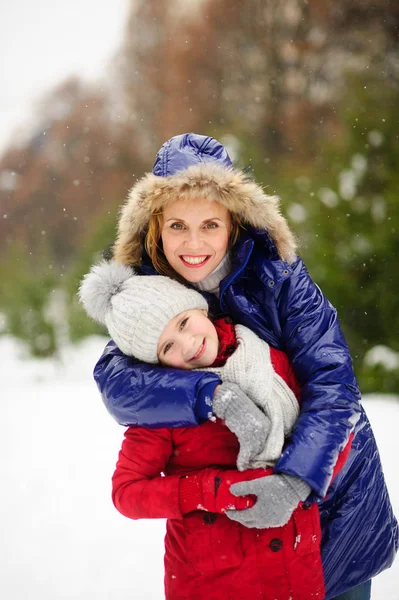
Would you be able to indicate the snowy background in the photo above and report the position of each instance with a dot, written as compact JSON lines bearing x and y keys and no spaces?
{"x":61,"y":537}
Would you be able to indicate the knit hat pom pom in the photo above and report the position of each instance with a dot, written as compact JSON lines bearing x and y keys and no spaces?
{"x":100,"y":285}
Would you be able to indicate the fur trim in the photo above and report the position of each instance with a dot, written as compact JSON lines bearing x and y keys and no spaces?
{"x":230,"y":187}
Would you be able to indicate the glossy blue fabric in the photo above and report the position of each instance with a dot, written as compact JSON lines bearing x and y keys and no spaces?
{"x":140,"y":394}
{"x":281,"y":303}
{"x":183,"y":151}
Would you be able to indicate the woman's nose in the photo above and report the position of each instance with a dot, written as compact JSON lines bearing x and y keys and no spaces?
{"x":193,"y":240}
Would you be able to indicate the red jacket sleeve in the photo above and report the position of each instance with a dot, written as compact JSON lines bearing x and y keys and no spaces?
{"x":139,"y":491}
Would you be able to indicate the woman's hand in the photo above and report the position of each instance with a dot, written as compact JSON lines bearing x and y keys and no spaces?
{"x":244,"y":419}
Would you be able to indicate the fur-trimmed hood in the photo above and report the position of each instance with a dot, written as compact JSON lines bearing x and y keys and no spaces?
{"x":231,"y":187}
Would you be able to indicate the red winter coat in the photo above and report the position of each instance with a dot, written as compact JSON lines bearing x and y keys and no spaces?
{"x":208,"y":556}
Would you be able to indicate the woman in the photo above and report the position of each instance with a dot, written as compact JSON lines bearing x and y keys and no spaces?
{"x":198,"y":220}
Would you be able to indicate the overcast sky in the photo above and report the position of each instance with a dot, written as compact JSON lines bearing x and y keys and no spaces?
{"x":43,"y":41}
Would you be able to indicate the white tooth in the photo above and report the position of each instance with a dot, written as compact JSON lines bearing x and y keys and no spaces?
{"x":194,"y":260}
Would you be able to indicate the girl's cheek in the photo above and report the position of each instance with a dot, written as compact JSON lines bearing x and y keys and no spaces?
{"x":176,"y":362}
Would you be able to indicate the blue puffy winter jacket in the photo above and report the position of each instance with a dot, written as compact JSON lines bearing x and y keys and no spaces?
{"x":270,"y":291}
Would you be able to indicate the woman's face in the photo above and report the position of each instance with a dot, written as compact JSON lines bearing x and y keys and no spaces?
{"x":195,"y":237}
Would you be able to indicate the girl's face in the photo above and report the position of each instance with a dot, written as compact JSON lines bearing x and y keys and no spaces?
{"x":195,"y":237}
{"x":189,"y":341}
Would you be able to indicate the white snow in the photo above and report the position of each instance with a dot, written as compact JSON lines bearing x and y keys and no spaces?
{"x":347,"y":184}
{"x":296,"y":212}
{"x":328,"y":197}
{"x":61,"y":537}
{"x":375,"y":137}
{"x":384,"y":356}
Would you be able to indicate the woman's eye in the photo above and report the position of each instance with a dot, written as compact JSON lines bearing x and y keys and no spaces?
{"x":177,"y":226}
{"x":167,"y":347}
{"x":211,"y":225}
{"x":183,"y":323}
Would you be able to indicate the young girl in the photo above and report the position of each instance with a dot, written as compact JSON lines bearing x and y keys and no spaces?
{"x":207,"y":556}
{"x":198,"y":220}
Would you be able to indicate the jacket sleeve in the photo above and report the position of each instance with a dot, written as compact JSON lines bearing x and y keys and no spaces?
{"x":139,"y":491}
{"x":150,"y":396}
{"x":330,"y":397}
{"x":283,"y":367}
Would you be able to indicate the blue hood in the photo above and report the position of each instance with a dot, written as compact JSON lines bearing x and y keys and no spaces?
{"x":183,"y":151}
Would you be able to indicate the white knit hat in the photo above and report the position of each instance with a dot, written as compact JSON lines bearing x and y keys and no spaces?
{"x":135,"y":308}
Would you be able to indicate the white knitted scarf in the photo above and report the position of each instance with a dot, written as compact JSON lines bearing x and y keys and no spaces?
{"x":250,"y":367}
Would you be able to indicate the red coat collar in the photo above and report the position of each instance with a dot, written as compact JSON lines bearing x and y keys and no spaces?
{"x":227,"y":340}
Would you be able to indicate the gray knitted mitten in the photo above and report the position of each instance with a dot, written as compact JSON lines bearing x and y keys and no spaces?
{"x":242,"y":417}
{"x":278,"y":496}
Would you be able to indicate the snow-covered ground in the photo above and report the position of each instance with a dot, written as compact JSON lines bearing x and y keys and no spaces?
{"x":61,"y":537}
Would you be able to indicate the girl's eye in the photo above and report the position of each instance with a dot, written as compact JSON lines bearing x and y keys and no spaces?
{"x":183,"y":324}
{"x":178,"y":226}
{"x":167,"y":347}
{"x":211,"y":225}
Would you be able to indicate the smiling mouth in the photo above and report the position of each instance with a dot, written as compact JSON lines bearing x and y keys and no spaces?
{"x":193,"y":262}
{"x":200,"y":351}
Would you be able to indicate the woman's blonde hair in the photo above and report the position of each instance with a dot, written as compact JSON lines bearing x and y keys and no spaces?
{"x":154,"y":248}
